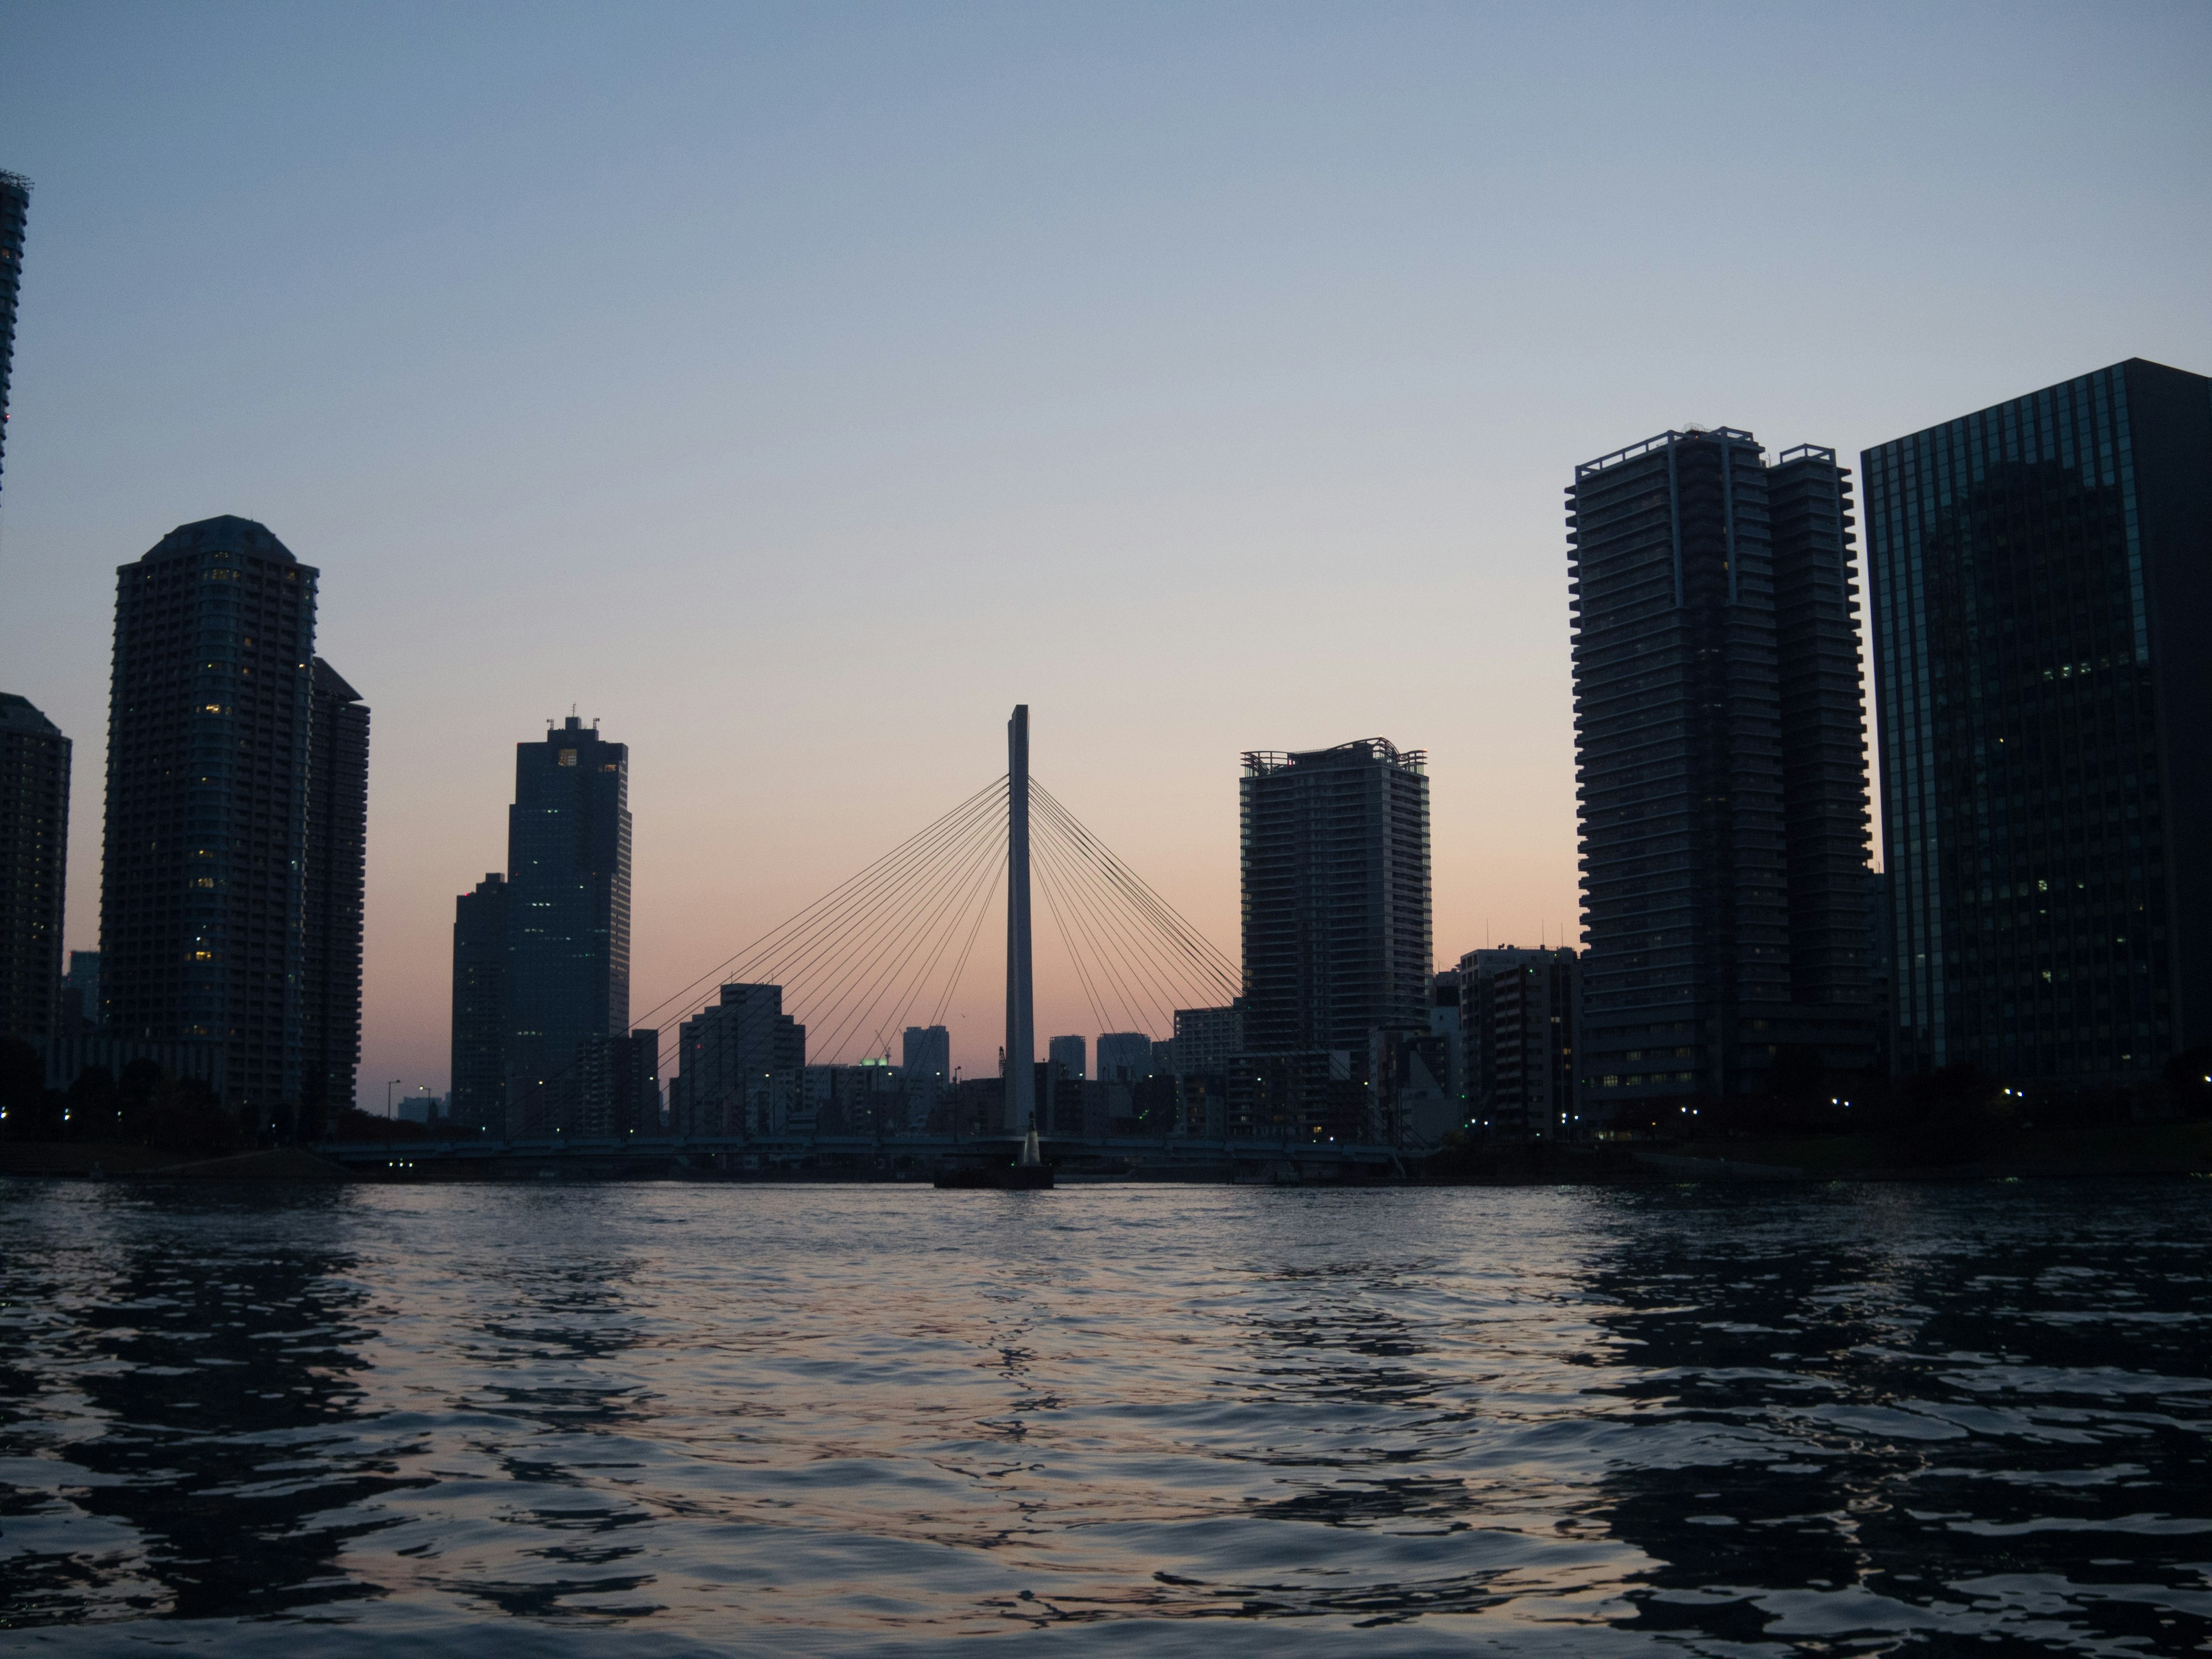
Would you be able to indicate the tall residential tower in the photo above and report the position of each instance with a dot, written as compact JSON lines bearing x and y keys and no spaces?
{"x":1335,"y":867}
{"x":1723,"y":771}
{"x":35,"y":785}
{"x":212,"y":837}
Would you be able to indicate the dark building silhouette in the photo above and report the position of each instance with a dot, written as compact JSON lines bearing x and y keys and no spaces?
{"x":209,"y":859}
{"x":567,"y":878}
{"x":35,"y":785}
{"x":1517,"y":1032}
{"x":2041,"y":574}
{"x":337,"y":874}
{"x":742,"y":1062}
{"x":478,"y":1095}
{"x":15,"y":211}
{"x":1335,"y":866}
{"x":1722,"y":765}
{"x":82,"y":1002}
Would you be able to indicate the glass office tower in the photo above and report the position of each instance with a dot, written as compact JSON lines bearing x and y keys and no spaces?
{"x":2041,"y":581}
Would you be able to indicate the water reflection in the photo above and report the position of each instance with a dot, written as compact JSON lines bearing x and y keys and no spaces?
{"x":1892,"y":1409}
{"x":866,"y":1419}
{"x":202,"y":1421}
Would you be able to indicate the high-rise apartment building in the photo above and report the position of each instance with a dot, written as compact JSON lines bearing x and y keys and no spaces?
{"x":478,"y":1099}
{"x":1069,"y":1056}
{"x":80,"y":998}
{"x":1721,"y":766}
{"x":14,"y":211}
{"x":335,"y":879}
{"x":204,"y":892}
{"x":2041,"y":579}
{"x":1205,"y":1038}
{"x":1335,"y":866}
{"x":742,"y":1064}
{"x":1517,"y":1033}
{"x":567,"y":880}
{"x":35,"y":785}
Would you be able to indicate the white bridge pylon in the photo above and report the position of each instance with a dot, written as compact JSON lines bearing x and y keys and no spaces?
{"x":1021,"y":987}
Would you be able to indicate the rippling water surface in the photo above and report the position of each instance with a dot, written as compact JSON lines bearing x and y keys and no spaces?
{"x":883,"y":1420}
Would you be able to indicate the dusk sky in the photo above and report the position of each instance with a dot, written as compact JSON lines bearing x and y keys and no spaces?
{"x":794,"y":389}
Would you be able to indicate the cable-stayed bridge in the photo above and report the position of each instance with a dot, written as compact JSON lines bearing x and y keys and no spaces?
{"x":889,"y":946}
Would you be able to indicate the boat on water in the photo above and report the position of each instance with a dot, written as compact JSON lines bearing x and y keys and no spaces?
{"x":1028,"y":1174}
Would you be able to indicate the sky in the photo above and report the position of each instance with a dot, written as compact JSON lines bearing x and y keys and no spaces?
{"x":794,"y":389}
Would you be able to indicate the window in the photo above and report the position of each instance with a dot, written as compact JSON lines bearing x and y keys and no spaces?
{"x":568,"y":758}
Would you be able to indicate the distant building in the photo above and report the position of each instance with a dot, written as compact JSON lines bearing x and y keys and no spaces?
{"x":925,"y":1052}
{"x":1124,"y":1056}
{"x":422,"y":1109}
{"x":2041,"y":574}
{"x":1409,"y":1098}
{"x":926,"y":1064}
{"x":619,"y":1091}
{"x":15,"y":211}
{"x":1722,"y":762}
{"x":1517,"y":1031}
{"x":1335,"y":868}
{"x":1205,"y":1038}
{"x":1445,"y":991}
{"x":335,"y":881}
{"x":35,"y":785}
{"x":741,"y":1061}
{"x":1312,"y":1095}
{"x":568,"y":900}
{"x":1164,"y":1058}
{"x":1069,"y":1056}
{"x":210,"y":845}
{"x":479,"y":1027}
{"x":81,"y":1011}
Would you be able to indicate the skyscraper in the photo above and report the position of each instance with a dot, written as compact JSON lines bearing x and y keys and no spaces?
{"x":335,"y":876}
{"x":1335,"y":865}
{"x":478,"y":1100}
{"x":568,"y":879}
{"x":34,"y":783}
{"x":15,"y":211}
{"x":205,"y":883}
{"x":1723,"y":770}
{"x":2041,"y":574}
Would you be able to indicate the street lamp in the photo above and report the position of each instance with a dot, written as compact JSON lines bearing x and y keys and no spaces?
{"x":388,"y":1088}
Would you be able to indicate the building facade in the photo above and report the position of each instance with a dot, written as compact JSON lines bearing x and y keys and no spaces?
{"x":15,"y":212}
{"x":336,"y":883}
{"x":208,"y":858}
{"x":478,"y":1097}
{"x":1205,"y":1038}
{"x":1335,"y":854}
{"x":2041,"y":575}
{"x":1124,"y":1056}
{"x":569,"y":881}
{"x":1517,"y":1034}
{"x":1722,"y":770}
{"x":741,"y":1067}
{"x":34,"y":785}
{"x":1069,"y":1056}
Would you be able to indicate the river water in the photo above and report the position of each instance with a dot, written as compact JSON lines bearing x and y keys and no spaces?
{"x":676,"y":1420}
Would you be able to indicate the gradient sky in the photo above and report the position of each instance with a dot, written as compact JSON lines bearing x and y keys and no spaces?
{"x":795,"y":388}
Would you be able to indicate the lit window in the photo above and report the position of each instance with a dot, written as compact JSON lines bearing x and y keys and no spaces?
{"x":568,"y":758}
